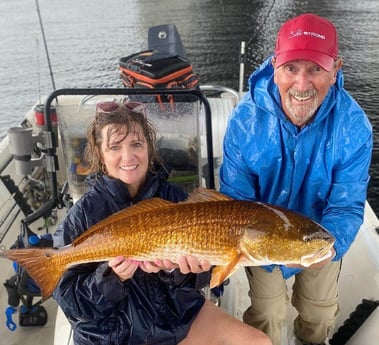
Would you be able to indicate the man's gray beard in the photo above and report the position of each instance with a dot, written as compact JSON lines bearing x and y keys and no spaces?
{"x":308,"y":110}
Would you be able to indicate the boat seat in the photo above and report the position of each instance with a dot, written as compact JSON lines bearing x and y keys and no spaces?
{"x":222,"y":101}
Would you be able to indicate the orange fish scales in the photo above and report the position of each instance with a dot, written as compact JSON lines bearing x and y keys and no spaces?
{"x":208,"y":225}
{"x":172,"y":232}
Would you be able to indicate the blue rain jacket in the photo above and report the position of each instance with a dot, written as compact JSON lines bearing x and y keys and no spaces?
{"x":155,"y":308}
{"x":321,"y":170}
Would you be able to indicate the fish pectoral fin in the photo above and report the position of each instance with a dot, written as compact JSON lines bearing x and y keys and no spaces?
{"x":204,"y":194}
{"x":221,"y":273}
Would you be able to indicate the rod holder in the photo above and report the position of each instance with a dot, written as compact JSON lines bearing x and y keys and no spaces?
{"x":22,"y":143}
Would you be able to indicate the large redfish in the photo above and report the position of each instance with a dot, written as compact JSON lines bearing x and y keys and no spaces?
{"x":208,"y":225}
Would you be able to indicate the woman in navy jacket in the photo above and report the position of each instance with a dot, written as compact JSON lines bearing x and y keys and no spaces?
{"x":123,"y":301}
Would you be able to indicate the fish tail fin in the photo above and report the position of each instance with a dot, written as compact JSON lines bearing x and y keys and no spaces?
{"x":41,"y":265}
{"x":221,"y":273}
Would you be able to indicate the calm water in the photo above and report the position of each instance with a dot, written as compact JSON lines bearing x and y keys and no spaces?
{"x":86,"y":39}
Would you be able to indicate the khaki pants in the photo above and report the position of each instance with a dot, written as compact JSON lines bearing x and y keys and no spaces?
{"x":314,"y":296}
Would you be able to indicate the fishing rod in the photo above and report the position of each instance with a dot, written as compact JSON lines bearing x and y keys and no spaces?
{"x":45,"y":44}
{"x":245,"y":46}
{"x":23,"y":142}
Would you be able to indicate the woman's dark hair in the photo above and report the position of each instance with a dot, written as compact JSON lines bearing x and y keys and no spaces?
{"x":122,"y":121}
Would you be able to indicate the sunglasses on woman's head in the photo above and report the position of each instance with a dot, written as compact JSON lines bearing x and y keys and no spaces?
{"x":110,"y":107}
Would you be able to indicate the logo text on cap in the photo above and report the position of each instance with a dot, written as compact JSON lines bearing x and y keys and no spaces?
{"x":299,"y":32}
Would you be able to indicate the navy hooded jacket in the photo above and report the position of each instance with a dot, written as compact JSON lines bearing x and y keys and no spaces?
{"x":321,"y":170}
{"x":155,"y":308}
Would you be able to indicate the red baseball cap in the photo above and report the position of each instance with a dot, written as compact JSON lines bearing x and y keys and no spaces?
{"x":307,"y":37}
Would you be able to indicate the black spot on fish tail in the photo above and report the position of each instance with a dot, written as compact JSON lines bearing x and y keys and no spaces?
{"x":41,"y":266}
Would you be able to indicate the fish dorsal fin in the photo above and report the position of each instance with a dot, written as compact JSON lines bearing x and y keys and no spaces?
{"x":137,"y":209}
{"x":204,"y":194}
{"x":149,"y":205}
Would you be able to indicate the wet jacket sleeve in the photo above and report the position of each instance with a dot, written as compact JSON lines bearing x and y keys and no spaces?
{"x":79,"y":292}
{"x":72,"y":226}
{"x":97,"y":286}
{"x":236,"y":178}
{"x":344,"y":211}
{"x":192,"y":280}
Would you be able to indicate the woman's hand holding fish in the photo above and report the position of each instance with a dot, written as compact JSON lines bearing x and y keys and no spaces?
{"x":186,"y":264}
{"x":166,"y":265}
{"x":123,"y":268}
{"x":150,"y":266}
{"x":190,"y":264}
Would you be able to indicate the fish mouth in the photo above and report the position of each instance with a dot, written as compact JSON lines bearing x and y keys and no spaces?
{"x":319,"y":235}
{"x":321,"y":255}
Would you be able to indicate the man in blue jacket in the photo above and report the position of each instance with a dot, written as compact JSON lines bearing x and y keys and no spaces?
{"x":299,"y":140}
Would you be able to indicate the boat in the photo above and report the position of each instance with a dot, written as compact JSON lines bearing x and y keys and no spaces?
{"x":42,"y":174}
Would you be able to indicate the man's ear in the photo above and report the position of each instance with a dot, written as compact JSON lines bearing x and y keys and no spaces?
{"x":337,"y":66}
{"x":273,"y":61}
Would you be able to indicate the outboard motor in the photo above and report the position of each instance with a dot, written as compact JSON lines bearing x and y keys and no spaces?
{"x":166,"y":39}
